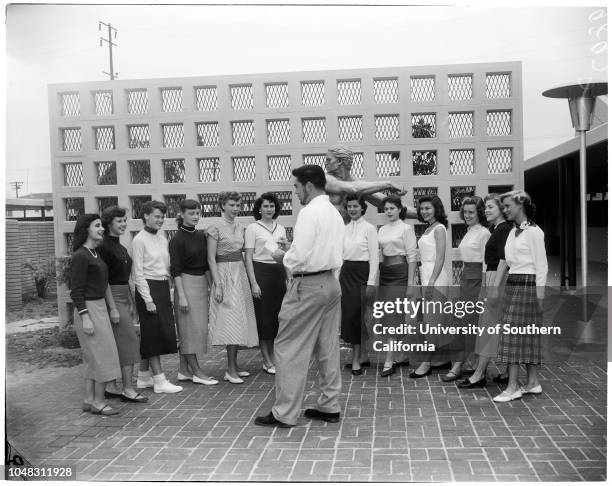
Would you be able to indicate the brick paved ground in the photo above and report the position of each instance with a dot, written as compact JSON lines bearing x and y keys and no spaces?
{"x":393,"y":429}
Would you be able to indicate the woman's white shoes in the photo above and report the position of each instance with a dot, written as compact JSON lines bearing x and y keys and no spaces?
{"x":271,"y":370}
{"x":205,"y":381}
{"x":534,"y":390}
{"x":506,"y":396}
{"x":244,"y":374}
{"x":233,"y":380}
{"x":182,"y":377}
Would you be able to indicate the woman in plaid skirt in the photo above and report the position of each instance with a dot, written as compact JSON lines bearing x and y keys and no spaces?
{"x":526,"y":258}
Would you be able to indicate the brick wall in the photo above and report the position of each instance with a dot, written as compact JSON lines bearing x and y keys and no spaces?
{"x":25,"y":239}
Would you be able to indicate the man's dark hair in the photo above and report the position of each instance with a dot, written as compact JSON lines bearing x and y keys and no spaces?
{"x":150,"y":206}
{"x":310,"y":173}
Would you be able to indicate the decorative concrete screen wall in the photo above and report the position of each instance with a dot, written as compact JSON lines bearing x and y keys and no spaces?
{"x":449,"y":130}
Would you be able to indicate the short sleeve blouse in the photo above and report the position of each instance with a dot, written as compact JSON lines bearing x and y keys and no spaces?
{"x":229,"y":236}
{"x":262,"y":240}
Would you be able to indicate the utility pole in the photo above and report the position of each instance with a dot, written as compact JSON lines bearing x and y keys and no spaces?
{"x":111,"y":32}
{"x":17,"y":186}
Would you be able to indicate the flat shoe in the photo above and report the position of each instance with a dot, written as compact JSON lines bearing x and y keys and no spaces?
{"x":414,"y":374}
{"x":86,"y":407}
{"x":209,"y":380}
{"x":444,"y":366}
{"x":235,"y":381}
{"x":105,"y":410}
{"x":477,"y":384}
{"x":271,"y":370}
{"x":504,"y":396}
{"x":137,"y":399}
{"x":388,"y":371}
{"x":365,"y":364}
{"x":534,"y":390}
{"x":500,"y":379}
{"x":357,"y":372}
{"x":243,"y":374}
{"x":108,"y":394}
{"x":182,"y":377}
{"x":451,"y":376}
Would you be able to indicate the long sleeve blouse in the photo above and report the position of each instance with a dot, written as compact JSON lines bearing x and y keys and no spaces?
{"x":526,"y":254}
{"x":88,"y":278}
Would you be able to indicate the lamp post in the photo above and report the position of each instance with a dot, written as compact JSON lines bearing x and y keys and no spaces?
{"x":581,"y":98}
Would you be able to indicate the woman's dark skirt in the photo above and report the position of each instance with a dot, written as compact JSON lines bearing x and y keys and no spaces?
{"x":520,"y":310}
{"x":271,"y":280}
{"x":157,"y":333}
{"x":469,"y":291}
{"x":353,"y":281}
{"x":393,"y":282}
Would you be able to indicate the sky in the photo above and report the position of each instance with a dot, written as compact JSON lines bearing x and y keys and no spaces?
{"x":60,"y":43}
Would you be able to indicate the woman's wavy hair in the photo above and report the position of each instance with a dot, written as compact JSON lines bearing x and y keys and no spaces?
{"x":225,"y":196}
{"x":359,"y":199}
{"x":497,"y":200}
{"x":266,"y":196}
{"x":439,"y":212}
{"x":109,"y":214}
{"x":480,"y":208}
{"x":524,"y":199}
{"x":185,"y":205}
{"x":81,"y":228}
{"x":397,"y":202}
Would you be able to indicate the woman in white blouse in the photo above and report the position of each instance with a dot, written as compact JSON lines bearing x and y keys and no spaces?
{"x":357,"y":279}
{"x":397,"y":242}
{"x":528,"y":267}
{"x":434,"y":278}
{"x":472,"y":250}
{"x":267,"y":277}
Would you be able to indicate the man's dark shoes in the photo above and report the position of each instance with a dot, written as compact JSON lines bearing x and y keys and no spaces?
{"x":313,"y":413}
{"x":477,"y":384}
{"x":270,"y":421}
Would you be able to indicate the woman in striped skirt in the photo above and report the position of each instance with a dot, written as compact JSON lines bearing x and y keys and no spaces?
{"x":90,"y":295}
{"x":528,"y":266}
{"x":232,"y":316}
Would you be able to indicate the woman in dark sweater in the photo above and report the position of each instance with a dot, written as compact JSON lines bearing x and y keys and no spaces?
{"x":119,"y":263}
{"x":90,"y":294}
{"x":189,"y":268}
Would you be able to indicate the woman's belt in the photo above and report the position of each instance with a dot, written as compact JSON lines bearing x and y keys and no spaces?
{"x":393,"y":259}
{"x":230,"y":257}
{"x":472,"y":269}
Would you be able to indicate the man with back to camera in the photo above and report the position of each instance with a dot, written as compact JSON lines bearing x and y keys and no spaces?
{"x":339,"y":182}
{"x":309,"y":316}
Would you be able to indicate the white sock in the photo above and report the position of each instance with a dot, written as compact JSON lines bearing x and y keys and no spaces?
{"x":159,"y":379}
{"x":144,"y":374}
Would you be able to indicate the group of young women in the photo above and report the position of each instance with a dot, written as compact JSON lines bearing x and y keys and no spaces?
{"x":111,"y":289}
{"x":504,"y":264}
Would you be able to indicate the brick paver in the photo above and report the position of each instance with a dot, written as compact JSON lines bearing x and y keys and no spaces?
{"x":393,"y":429}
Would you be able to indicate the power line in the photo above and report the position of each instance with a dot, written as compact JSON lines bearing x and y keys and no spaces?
{"x":111,"y":31}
